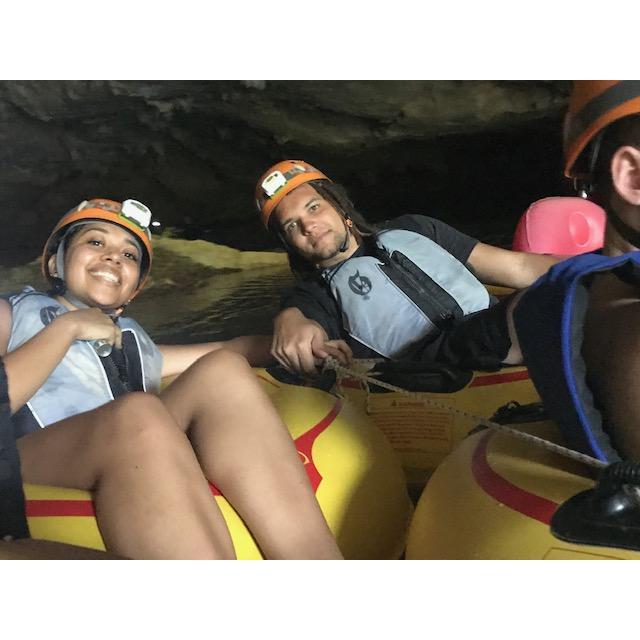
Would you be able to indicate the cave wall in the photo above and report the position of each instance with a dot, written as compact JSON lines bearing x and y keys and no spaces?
{"x":474,"y":153}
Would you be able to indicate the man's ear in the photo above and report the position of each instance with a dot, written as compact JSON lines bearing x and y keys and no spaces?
{"x":51,"y":266}
{"x":625,"y":174}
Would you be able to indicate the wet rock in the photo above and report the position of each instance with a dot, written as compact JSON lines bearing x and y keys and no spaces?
{"x":467,"y":151}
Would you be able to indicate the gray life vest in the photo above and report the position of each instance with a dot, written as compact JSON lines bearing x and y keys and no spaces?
{"x":409,"y":289}
{"x":79,"y":382}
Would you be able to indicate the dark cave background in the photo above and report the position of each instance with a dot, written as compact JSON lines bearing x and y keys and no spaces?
{"x":473,"y":153}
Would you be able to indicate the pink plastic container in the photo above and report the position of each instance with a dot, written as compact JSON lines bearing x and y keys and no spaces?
{"x":560,"y":225}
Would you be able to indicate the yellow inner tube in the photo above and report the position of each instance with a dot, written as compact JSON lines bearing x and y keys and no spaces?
{"x":356,"y":475}
{"x":494,"y":497}
{"x":423,"y":435}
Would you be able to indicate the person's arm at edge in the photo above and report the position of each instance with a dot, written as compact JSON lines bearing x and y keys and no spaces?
{"x":176,"y":358}
{"x":492,"y":265}
{"x":515,"y":269}
{"x":28,"y":366}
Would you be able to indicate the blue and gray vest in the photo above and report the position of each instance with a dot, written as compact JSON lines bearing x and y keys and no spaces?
{"x":410,"y":288}
{"x":549,"y":321}
{"x":81,"y":381}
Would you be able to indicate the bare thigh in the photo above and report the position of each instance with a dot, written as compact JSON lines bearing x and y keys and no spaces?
{"x":72,"y":452}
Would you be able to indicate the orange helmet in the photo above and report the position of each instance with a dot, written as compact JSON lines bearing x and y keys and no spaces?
{"x":595,"y":104}
{"x":132,"y":215}
{"x":282,"y":178}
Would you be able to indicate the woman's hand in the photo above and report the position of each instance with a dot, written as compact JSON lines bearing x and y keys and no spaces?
{"x":31,"y":364}
{"x":91,"y":324}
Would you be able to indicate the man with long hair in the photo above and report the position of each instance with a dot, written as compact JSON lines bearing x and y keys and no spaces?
{"x":411,"y":288}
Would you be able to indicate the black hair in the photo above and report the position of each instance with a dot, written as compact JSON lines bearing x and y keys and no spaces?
{"x":58,"y":286}
{"x":337,"y":196}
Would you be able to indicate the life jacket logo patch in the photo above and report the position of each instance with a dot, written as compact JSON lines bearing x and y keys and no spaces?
{"x":360,"y":285}
{"x":48,"y":315}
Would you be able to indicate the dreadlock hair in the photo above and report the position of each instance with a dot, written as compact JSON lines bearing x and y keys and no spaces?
{"x":337,"y":196}
{"x":625,"y":131}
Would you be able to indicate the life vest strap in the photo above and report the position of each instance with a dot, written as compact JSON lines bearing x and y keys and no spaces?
{"x":13,"y":521}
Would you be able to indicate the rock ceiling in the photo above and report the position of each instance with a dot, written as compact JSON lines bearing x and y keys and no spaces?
{"x":192,"y":150}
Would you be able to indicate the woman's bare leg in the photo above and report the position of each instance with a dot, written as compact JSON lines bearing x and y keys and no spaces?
{"x":247,"y":452}
{"x":152,"y":500}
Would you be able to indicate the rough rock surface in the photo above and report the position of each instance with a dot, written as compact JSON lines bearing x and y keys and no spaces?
{"x":475,"y":153}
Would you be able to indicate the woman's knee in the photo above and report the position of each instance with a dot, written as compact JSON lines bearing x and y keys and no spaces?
{"x":138,"y":405}
{"x":75,"y":452}
{"x":137,"y":421}
{"x":222,"y":365}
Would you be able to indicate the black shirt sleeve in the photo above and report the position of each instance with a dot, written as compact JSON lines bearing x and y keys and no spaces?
{"x":458,"y":244}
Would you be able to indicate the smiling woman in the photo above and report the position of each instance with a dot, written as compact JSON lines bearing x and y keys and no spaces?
{"x":96,"y":420}
{"x":105,"y":265}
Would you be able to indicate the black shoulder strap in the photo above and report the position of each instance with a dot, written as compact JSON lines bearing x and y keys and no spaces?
{"x":13,"y":520}
{"x":123,"y":367}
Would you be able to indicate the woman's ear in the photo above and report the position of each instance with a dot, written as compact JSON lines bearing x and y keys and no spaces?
{"x":51,"y":266}
{"x":625,"y":174}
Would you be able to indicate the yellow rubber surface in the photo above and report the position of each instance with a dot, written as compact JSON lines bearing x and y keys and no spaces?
{"x":493,"y":498}
{"x":356,"y":475}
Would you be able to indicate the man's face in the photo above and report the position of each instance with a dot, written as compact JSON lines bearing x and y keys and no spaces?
{"x":313,"y":227}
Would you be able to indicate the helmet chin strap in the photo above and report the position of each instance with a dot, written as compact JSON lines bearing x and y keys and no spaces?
{"x":347,"y":227}
{"x":59,"y":273}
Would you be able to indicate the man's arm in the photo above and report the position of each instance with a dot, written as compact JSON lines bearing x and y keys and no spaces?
{"x":178,"y":357}
{"x":308,"y":329}
{"x":514,"y":269}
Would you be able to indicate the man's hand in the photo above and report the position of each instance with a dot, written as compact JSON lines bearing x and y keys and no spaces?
{"x":300,"y":344}
{"x":340,"y":350}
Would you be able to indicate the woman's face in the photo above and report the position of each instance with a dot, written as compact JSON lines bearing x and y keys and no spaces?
{"x":102,"y":265}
